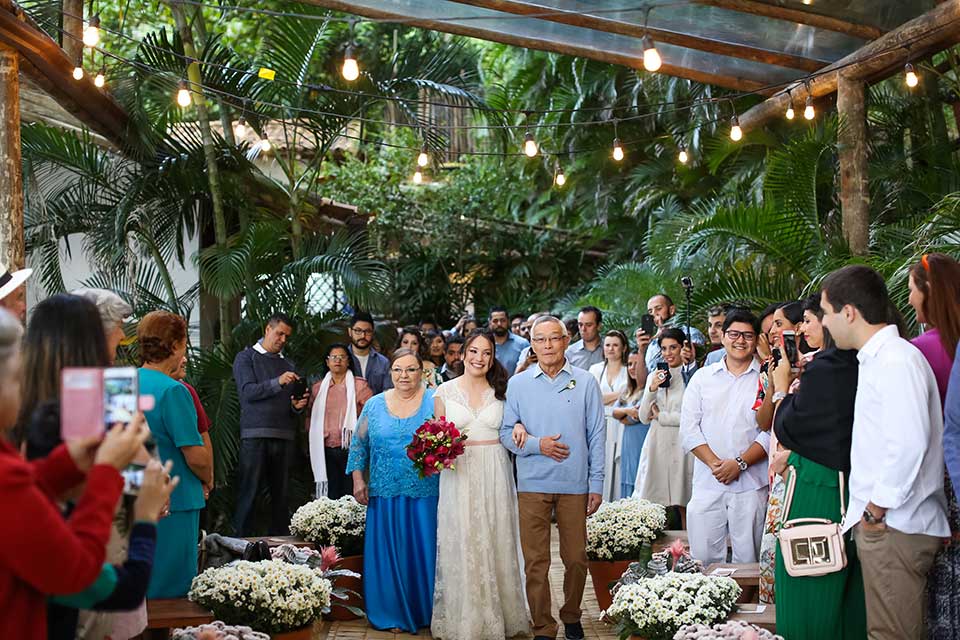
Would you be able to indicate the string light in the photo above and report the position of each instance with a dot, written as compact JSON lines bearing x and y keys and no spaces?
{"x":240,"y":131}
{"x":618,"y":154}
{"x":911,"y":77}
{"x":350,"y":69}
{"x":265,"y":145}
{"x":78,"y":72}
{"x":559,"y":179}
{"x":423,"y":159}
{"x":530,"y":148}
{"x":736,"y":133}
{"x":183,"y":94}
{"x":790,"y":113}
{"x":683,"y":156}
{"x":808,"y":111}
{"x":417,"y":176}
{"x":651,"y":57}
{"x":100,"y":79}
{"x":91,"y":33}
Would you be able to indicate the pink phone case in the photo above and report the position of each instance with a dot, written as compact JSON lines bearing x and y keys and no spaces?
{"x":81,"y":399}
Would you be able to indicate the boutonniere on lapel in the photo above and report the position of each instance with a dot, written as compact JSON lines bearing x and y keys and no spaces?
{"x":570,"y":385}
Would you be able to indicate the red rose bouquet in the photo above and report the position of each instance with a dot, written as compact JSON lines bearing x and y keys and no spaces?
{"x":435,"y":445}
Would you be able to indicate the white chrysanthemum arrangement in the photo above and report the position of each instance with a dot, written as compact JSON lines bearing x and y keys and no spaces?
{"x":656,"y":608}
{"x":271,"y":595}
{"x":325,"y":522}
{"x":619,"y":529}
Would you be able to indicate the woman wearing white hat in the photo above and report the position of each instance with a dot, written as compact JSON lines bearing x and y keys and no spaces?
{"x":13,"y":293}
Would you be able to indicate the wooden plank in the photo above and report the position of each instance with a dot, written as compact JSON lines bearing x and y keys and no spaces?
{"x":801,"y":16}
{"x":746,"y":575}
{"x":691,"y":41}
{"x":11,"y":178}
{"x":175,"y":612}
{"x":934,"y":31}
{"x":852,"y":143}
{"x":48,"y":65}
{"x":474,"y":31}
{"x":766,"y":619}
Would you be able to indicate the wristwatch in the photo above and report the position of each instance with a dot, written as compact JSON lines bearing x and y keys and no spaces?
{"x":869,"y":518}
{"x":741,"y":463}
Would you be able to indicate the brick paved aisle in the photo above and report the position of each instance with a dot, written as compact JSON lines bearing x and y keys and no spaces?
{"x":595,"y":630}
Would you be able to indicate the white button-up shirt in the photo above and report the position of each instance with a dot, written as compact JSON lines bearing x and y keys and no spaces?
{"x":718,"y":411}
{"x":896,"y":456}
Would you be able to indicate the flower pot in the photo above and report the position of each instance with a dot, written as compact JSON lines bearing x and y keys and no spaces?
{"x":303,"y":633}
{"x":604,"y":573}
{"x":353,"y":563}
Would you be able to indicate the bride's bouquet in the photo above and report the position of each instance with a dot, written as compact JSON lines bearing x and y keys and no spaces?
{"x":435,"y":445}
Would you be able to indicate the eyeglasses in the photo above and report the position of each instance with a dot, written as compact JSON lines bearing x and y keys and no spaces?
{"x":551,"y":340}
{"x":362,"y":332}
{"x":410,"y":371}
{"x":335,"y":358}
{"x":735,"y":335}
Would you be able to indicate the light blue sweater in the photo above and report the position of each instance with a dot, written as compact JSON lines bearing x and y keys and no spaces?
{"x":571,"y":405}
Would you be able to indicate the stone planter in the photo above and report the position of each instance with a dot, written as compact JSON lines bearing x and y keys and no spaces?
{"x":604,"y":573}
{"x":355,"y":564}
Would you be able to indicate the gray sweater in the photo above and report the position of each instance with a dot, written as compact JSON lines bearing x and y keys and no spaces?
{"x":265,"y":409}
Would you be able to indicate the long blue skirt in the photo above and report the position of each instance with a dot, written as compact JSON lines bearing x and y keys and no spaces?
{"x":631,"y":445}
{"x":399,"y":562}
{"x":175,"y":560}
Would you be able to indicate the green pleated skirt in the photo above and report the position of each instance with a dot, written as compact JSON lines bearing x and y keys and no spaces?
{"x":830,"y":606}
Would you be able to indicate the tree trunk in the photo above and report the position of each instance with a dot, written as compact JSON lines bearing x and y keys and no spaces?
{"x":209,"y":152}
{"x":852,"y":139}
{"x":11,"y":178}
{"x":72,"y":38}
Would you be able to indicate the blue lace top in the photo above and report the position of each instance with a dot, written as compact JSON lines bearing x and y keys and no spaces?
{"x":379,"y":444}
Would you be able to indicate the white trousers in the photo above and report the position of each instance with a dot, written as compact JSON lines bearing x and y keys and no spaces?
{"x":713,"y":515}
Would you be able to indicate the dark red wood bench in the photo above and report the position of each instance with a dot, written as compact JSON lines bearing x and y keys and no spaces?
{"x":166,"y":614}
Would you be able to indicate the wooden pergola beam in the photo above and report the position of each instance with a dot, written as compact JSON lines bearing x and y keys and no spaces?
{"x":934,"y":31}
{"x":634,"y":62}
{"x":11,"y":179}
{"x":620,"y":27}
{"x":51,"y":68}
{"x":820,"y":21}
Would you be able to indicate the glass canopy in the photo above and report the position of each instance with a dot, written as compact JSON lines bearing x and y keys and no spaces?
{"x":752,"y":45}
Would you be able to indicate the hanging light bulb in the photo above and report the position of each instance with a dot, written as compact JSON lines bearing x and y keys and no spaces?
{"x":530,"y":148}
{"x":78,"y":73}
{"x":423,"y":159}
{"x":240,"y":131}
{"x":790,"y":113}
{"x":736,"y":133}
{"x":350,"y":70}
{"x":651,"y":57}
{"x":683,"y":156}
{"x":808,"y":111}
{"x":183,"y":94}
{"x":265,"y":145}
{"x":618,"y":154}
{"x":559,"y":179}
{"x":417,"y":176}
{"x":911,"y":77}
{"x":91,"y":33}
{"x":100,"y":79}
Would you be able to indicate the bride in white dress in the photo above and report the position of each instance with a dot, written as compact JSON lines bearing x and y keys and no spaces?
{"x":478,"y":593}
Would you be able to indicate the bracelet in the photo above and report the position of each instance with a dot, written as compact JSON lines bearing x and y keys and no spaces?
{"x":778,"y":396}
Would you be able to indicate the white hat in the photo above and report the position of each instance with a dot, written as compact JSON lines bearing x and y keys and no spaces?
{"x":10,"y":282}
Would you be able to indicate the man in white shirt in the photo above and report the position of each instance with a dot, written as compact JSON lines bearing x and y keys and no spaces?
{"x":717,"y":426}
{"x":897,"y":505}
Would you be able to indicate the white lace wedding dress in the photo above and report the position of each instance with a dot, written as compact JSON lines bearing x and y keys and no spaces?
{"x":478,"y":594}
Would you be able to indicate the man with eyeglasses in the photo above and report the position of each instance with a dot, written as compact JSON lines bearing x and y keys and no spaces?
{"x":717,"y":425}
{"x":508,"y":344}
{"x":553,"y":421}
{"x":373,"y":366}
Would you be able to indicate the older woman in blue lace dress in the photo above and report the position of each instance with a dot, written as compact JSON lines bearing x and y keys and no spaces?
{"x":400,"y":544}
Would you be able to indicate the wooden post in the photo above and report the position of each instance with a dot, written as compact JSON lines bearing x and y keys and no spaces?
{"x":72,"y":37}
{"x":852,"y":140}
{"x":11,"y":178}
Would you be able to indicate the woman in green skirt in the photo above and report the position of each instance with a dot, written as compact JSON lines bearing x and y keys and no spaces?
{"x":815,"y":422}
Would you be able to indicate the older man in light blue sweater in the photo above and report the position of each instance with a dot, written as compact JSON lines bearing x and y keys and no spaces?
{"x":559,"y":440}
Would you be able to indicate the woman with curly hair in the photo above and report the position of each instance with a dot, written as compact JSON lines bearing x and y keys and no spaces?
{"x":162,"y":337}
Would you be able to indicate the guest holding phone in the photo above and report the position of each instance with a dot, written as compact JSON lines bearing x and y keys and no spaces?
{"x":162,"y":337}
{"x":40,"y":553}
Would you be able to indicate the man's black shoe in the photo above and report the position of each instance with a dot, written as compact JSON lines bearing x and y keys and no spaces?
{"x":573,"y":631}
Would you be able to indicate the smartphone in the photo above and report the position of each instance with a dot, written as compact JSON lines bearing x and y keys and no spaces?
{"x":648,"y":325}
{"x":96,"y":398}
{"x":298,"y":388}
{"x":789,"y":340}
{"x":663,"y":366}
{"x":132,"y":478}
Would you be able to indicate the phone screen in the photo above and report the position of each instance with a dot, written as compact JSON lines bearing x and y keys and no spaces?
{"x":119,"y":395}
{"x":132,"y":478}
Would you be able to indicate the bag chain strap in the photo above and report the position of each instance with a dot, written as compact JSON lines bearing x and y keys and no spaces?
{"x":791,"y":487}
